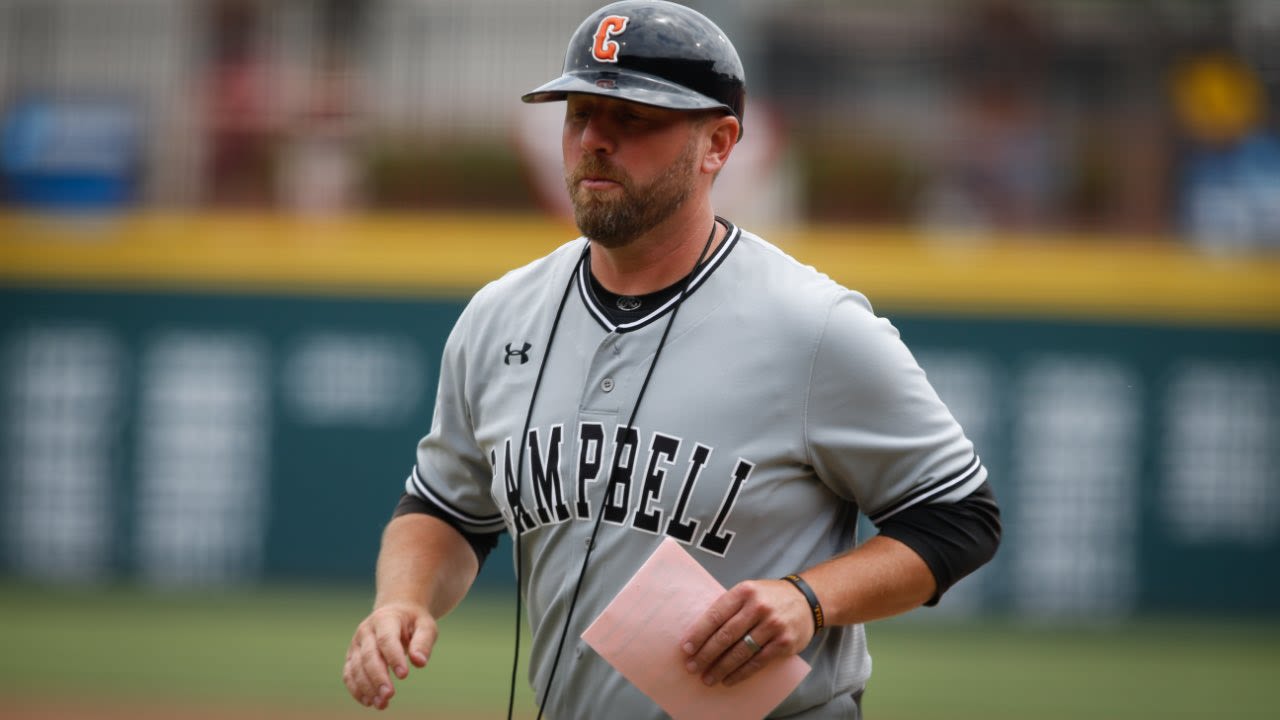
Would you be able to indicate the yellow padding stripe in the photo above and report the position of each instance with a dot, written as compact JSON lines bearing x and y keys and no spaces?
{"x":1116,"y":278}
{"x":452,"y":255}
{"x":397,"y":256}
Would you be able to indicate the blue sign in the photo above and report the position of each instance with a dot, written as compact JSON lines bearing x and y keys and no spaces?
{"x":70,"y":153}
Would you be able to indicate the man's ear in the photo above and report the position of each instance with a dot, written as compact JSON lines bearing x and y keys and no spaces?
{"x":723,"y":136}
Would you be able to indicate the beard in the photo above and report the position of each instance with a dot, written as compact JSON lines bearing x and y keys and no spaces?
{"x":616,"y":221}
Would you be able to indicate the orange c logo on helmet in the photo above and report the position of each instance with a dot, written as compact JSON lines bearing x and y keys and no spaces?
{"x":606,"y":49}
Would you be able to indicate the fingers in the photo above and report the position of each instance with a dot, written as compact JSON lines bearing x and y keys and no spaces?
{"x":766,"y":610}
{"x":385,"y":643}
{"x":716,"y":629}
{"x":773,"y":647}
{"x":390,"y":636}
{"x":714,"y":641}
{"x":737,"y":657}
{"x":357,"y":680}
{"x":421,"y":642}
{"x":377,"y":688}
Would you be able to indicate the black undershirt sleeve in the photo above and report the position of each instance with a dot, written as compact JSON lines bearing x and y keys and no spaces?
{"x":953,"y":539}
{"x":481,"y":543}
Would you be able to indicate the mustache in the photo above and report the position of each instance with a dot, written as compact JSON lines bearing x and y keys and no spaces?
{"x":594,"y":167}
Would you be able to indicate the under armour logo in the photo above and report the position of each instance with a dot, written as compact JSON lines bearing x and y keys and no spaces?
{"x":522,"y":353}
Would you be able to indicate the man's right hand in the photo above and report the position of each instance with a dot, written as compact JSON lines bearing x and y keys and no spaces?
{"x":393,"y":636}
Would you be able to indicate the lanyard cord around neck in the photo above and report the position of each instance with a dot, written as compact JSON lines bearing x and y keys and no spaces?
{"x":595,"y":529}
{"x":515,"y":514}
{"x":555,"y":324}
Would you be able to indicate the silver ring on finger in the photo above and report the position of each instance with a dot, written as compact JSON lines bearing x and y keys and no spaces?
{"x":751,"y":643}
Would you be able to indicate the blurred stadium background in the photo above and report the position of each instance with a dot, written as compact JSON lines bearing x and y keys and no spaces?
{"x":234,"y":234}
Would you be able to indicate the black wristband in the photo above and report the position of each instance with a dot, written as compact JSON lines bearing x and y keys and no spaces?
{"x":814,"y":606}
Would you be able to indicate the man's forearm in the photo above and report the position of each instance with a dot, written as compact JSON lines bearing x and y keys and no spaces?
{"x":425,"y":562}
{"x":878,"y":579}
{"x":881,"y":577}
{"x":424,"y":569}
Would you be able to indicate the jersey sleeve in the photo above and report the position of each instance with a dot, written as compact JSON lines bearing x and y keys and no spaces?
{"x":877,"y":433}
{"x":953,"y":539}
{"x":481,"y":543}
{"x":451,"y":471}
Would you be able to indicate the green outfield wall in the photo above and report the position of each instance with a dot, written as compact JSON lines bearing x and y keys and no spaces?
{"x":194,"y":401}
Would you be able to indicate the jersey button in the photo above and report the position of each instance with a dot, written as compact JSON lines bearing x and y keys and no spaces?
{"x":606,"y":384}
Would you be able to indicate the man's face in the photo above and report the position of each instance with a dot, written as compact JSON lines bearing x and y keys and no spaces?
{"x":628,"y":167}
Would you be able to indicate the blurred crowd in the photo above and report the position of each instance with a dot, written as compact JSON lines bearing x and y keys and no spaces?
{"x":1100,"y":117}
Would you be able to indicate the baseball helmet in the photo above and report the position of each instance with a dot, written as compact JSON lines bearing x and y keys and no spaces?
{"x":651,"y":52}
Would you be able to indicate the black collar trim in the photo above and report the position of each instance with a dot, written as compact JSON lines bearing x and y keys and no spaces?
{"x":601,"y":316}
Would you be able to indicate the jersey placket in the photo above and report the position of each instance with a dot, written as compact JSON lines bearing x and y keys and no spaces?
{"x":606,"y":402}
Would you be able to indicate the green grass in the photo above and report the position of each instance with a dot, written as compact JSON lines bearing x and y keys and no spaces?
{"x":1151,"y":669}
{"x":280,"y":648}
{"x":284,"y":648}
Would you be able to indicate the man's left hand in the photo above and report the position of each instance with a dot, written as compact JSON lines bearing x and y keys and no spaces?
{"x":772,"y":612}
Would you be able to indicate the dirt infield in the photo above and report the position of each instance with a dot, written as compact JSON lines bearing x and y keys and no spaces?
{"x":71,"y":710}
{"x":34,"y":709}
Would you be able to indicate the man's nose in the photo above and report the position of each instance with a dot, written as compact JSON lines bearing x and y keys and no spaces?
{"x":598,"y":136}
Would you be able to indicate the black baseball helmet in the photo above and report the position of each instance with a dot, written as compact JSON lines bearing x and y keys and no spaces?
{"x":651,"y":52}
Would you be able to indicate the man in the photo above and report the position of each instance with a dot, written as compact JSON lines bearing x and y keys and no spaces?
{"x":671,"y":375}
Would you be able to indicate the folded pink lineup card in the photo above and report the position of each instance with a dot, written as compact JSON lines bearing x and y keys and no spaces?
{"x":639,"y":635}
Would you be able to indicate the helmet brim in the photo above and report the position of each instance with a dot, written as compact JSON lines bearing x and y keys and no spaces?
{"x":631,"y":86}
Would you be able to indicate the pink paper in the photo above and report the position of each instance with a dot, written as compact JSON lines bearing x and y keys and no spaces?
{"x":639,"y":635}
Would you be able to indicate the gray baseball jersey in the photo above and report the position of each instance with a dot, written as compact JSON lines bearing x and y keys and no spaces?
{"x":780,"y":406}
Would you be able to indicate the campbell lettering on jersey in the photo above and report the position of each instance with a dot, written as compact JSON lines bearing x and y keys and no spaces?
{"x":651,"y":496}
